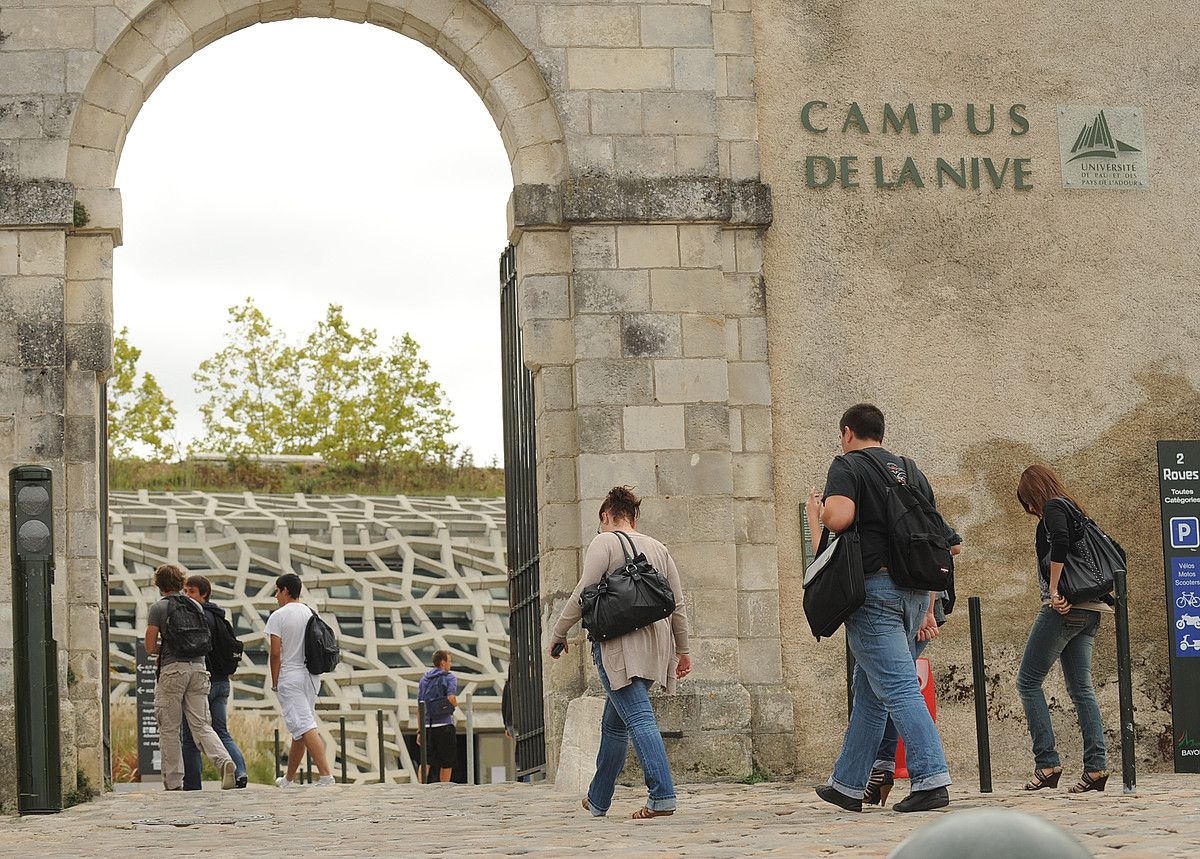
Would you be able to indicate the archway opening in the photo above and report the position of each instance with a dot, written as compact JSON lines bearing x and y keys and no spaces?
{"x":397,"y":576}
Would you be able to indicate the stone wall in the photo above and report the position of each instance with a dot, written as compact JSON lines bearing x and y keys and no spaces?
{"x":995,"y":327}
{"x":637,"y":210}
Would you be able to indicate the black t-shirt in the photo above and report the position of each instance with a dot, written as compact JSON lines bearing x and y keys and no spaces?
{"x":864,"y":485}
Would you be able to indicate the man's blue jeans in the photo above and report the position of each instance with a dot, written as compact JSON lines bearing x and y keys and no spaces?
{"x":1068,"y":639}
{"x":218,"y":701}
{"x":882,"y":636}
{"x":629,"y":716}
{"x":885,"y":759}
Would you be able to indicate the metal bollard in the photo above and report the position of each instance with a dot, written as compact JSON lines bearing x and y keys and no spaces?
{"x":470,"y":739}
{"x":980,"y":690}
{"x":342,"y":732}
{"x":382,"y":759}
{"x":1125,"y":683}
{"x":423,"y":772}
{"x":277,"y":772}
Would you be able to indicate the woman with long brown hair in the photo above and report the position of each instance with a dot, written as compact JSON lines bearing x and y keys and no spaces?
{"x":1061,"y":632}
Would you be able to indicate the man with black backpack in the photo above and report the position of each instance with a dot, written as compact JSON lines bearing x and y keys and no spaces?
{"x":906,"y":561}
{"x":289,"y":629}
{"x":222,"y":661}
{"x":438,"y":690}
{"x":177,"y":631}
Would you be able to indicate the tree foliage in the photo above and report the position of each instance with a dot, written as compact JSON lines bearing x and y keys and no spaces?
{"x":141,"y":418}
{"x":337,"y":393}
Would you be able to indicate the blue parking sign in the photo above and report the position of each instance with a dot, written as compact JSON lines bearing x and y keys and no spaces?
{"x":1185,"y":532}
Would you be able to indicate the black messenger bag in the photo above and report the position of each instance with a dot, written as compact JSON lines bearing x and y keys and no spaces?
{"x":630,"y":597}
{"x":834,"y":586}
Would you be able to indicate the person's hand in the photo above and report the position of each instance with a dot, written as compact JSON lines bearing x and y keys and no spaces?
{"x":813,"y":504}
{"x":684,"y":668}
{"x":508,"y":733}
{"x":1059,"y":603}
{"x":553,"y":644}
{"x":418,"y":738}
{"x":929,"y":628}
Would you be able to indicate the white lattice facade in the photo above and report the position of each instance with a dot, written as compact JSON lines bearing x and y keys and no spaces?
{"x":396,"y":578}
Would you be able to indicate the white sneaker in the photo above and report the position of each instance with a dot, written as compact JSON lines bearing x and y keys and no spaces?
{"x":324,"y":781}
{"x":282,"y":781}
{"x":228,"y":776}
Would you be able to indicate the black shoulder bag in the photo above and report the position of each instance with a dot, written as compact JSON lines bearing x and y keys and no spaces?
{"x":834,"y":586}
{"x":630,"y":597}
{"x":1089,"y":572}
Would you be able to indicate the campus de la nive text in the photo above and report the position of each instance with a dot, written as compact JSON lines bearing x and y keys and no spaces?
{"x":893,"y":173}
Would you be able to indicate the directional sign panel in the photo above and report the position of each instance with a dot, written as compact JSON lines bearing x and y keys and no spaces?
{"x":1179,"y":492}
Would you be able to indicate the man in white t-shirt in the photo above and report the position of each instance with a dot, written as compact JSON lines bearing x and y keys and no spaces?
{"x":291,"y":682}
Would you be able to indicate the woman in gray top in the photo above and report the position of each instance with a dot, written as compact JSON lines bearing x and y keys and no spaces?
{"x":631,"y":665}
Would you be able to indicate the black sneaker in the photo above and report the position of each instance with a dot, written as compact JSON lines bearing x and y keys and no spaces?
{"x":242,"y":781}
{"x":831,"y":794}
{"x":924,"y":800}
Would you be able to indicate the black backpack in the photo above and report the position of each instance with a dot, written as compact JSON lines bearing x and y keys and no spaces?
{"x":437,"y":698}
{"x":226,"y":654}
{"x":185,"y":630}
{"x":321,"y":654}
{"x":920,"y":556}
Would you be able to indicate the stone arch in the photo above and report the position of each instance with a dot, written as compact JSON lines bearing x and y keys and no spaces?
{"x":164,"y":33}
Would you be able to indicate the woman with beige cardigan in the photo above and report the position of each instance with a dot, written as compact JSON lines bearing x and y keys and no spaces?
{"x":631,"y":665}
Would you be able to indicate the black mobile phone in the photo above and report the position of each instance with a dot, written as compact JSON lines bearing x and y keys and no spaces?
{"x":557,"y":649}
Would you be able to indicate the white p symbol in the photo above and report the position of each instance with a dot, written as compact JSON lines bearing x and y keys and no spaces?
{"x":1185,"y":532}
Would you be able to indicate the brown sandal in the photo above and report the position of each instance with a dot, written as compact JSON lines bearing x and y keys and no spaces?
{"x":1044,"y":778}
{"x":645,"y":813}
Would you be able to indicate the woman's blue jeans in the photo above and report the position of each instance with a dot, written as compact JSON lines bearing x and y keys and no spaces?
{"x":1067,"y":639}
{"x":629,"y":716}
{"x":882,"y":636}
{"x":218,"y":701}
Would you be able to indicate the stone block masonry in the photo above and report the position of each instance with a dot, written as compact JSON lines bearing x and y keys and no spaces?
{"x":638,"y":213}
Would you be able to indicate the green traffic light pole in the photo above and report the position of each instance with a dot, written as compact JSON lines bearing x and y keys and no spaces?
{"x":35,"y":652}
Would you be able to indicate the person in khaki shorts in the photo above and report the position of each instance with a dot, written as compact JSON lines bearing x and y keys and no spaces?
{"x":181,"y":691}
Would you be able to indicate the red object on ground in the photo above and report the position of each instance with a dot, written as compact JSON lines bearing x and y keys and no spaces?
{"x":925,"y":677}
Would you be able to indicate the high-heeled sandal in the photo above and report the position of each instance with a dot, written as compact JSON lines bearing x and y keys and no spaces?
{"x":1089,"y":782}
{"x":878,"y":788}
{"x":1044,"y":778}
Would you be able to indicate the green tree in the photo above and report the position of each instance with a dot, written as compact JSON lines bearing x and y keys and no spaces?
{"x":140,"y":415}
{"x":251,"y":388}
{"x":339,"y":394}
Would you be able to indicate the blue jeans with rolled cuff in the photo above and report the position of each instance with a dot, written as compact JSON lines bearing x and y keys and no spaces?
{"x":1066,"y":639}
{"x":885,"y":759}
{"x":882,"y":636}
{"x":628,"y":715}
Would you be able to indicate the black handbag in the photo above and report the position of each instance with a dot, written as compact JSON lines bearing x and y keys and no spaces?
{"x":1089,"y":572}
{"x":834,"y":586}
{"x":630,"y":597}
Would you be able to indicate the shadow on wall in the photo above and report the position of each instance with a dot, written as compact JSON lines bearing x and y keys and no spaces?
{"x":1115,"y":476}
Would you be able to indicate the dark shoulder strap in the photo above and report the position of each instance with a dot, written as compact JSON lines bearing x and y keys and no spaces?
{"x":888,"y":477}
{"x":632,"y":550}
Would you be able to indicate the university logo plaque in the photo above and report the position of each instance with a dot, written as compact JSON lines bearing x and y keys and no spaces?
{"x":1102,"y":148}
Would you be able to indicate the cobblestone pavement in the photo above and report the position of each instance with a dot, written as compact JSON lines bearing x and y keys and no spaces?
{"x":778,"y":819}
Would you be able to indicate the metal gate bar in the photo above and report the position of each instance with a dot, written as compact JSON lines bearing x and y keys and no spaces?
{"x":520,"y":490}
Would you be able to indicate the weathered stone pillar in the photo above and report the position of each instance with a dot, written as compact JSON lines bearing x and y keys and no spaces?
{"x":55,"y":349}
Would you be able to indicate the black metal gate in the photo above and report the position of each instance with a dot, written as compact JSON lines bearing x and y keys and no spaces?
{"x":520,"y":491}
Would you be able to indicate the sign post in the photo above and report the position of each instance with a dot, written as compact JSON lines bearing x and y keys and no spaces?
{"x":149,"y":754}
{"x":1179,"y":485}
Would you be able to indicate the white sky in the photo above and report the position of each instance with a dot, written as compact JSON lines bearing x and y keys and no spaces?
{"x":310,"y":161}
